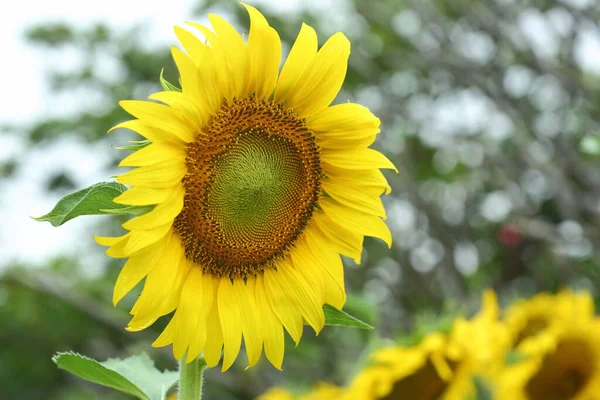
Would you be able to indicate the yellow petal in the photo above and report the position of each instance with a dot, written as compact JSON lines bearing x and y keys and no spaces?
{"x":160,"y":115}
{"x":163,"y":213}
{"x":371,"y":181}
{"x":234,"y":51}
{"x":304,"y":263}
{"x":118,"y":249}
{"x":346,"y":120}
{"x":142,"y":239}
{"x":140,"y":196}
{"x":285,"y":307}
{"x":108,"y":241}
{"x":154,"y":133}
{"x":264,"y":55}
{"x":214,"y":337}
{"x":192,"y":45}
{"x":135,"y":269}
{"x":160,"y":175}
{"x":201,"y":303}
{"x":341,"y":143}
{"x":357,"y":221}
{"x":273,"y":330}
{"x":349,"y":197}
{"x":301,"y":55}
{"x":328,"y":261}
{"x":347,"y":242}
{"x":152,"y":154}
{"x":321,"y":81}
{"x":197,"y":81}
{"x":251,"y":327}
{"x":231,"y":321}
{"x":300,"y":291}
{"x":159,"y":283}
{"x":360,"y":159}
{"x":191,"y":110}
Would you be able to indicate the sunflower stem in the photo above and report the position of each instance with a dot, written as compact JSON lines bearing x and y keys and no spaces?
{"x":191,"y":379}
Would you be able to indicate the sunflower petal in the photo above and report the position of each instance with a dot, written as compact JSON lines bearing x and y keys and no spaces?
{"x":231,"y":321}
{"x":140,"y":196}
{"x":264,"y":55}
{"x":160,"y":115}
{"x":273,"y":330}
{"x":357,"y":159}
{"x":163,"y":213}
{"x":366,"y":224}
{"x":321,"y":81}
{"x":301,"y":55}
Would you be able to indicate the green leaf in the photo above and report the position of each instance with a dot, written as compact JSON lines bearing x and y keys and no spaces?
{"x":88,"y":201}
{"x":482,"y":388}
{"x":135,"y":375}
{"x":166,"y":84}
{"x":514,"y":357}
{"x":134,"y":210}
{"x":336,"y":317}
{"x":134,"y":145}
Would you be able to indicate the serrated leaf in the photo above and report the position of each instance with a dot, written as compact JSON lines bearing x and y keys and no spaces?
{"x":135,"y":375}
{"x":336,"y":317}
{"x":88,"y":201}
{"x":166,"y":85}
{"x":134,"y":145}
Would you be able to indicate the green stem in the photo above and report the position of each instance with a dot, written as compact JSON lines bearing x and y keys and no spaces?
{"x":190,"y":379}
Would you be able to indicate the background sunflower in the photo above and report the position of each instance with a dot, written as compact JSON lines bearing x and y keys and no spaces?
{"x":488,"y":109}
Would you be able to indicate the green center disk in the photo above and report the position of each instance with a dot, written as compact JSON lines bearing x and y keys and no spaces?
{"x":256,"y":187}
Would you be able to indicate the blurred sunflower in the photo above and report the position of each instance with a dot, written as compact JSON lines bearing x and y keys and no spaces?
{"x":259,"y":185}
{"x":440,"y":367}
{"x":557,"y":340}
{"x":321,"y":391}
{"x":565,"y":366}
{"x":530,"y":320}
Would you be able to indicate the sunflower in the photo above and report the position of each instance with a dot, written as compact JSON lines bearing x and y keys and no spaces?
{"x":530,"y":320}
{"x":321,"y":391}
{"x":258,"y":185}
{"x":556,"y":339}
{"x":441,"y":366}
{"x":563,"y":364}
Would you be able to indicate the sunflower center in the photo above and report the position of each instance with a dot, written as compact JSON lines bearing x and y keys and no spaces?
{"x":424,"y":384}
{"x":563,"y":373}
{"x":254,"y":177}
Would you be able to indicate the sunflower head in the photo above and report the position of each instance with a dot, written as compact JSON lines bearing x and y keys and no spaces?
{"x":532,"y":320}
{"x":566,"y":368}
{"x":258,"y":185}
{"x":441,"y":366}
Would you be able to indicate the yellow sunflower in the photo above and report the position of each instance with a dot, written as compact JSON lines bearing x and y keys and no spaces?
{"x":440,"y":367}
{"x":530,"y":320}
{"x":321,"y":391}
{"x":562,"y":364}
{"x":259,"y":186}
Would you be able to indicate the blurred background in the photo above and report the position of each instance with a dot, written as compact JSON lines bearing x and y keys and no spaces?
{"x":489,"y":108}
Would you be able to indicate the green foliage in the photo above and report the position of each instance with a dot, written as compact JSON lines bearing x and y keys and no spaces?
{"x":94,"y":200}
{"x":166,"y":85}
{"x":134,"y":375}
{"x":336,"y":317}
{"x":133,"y":145}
